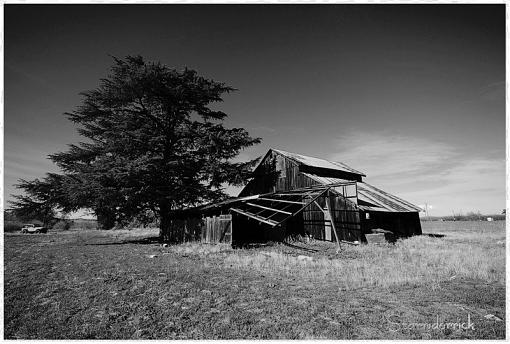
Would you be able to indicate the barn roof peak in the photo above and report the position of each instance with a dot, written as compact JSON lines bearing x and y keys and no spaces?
{"x":315,"y":162}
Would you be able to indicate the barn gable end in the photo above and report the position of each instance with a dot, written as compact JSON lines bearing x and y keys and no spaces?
{"x":282,"y":171}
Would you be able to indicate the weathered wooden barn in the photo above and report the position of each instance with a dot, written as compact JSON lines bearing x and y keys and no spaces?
{"x":292,"y":194}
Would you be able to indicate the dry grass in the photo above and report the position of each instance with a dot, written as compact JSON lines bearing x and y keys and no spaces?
{"x":201,"y":249}
{"x":123,"y":284}
{"x":469,"y":250}
{"x":481,"y":232}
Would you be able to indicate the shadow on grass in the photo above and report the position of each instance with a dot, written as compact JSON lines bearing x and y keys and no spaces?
{"x":432,"y":235}
{"x":144,"y":241}
{"x":250,"y":245}
{"x":300,"y":247}
{"x":255,"y":245}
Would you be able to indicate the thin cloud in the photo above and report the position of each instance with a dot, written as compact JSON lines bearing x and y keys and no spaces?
{"x":383,"y":155}
{"x":493,"y":91}
{"x":423,"y":171}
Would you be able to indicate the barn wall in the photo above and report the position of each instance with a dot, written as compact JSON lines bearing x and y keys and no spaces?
{"x":216,"y":229}
{"x":402,"y":224}
{"x":347,"y":219}
{"x":186,"y":230}
{"x":313,"y":220}
{"x":279,"y":173}
{"x":275,"y":173}
{"x":313,"y":217}
{"x":211,"y":227}
{"x":345,"y":214}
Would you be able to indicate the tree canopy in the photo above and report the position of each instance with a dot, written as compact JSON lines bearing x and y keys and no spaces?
{"x":153,"y":141}
{"x":41,"y":199}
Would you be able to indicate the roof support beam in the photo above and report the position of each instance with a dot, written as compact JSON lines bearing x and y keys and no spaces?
{"x":297,"y":194}
{"x":280,"y":200}
{"x":314,"y":195}
{"x":332,"y":219}
{"x":306,"y":205}
{"x":258,"y":218}
{"x":267,"y":208}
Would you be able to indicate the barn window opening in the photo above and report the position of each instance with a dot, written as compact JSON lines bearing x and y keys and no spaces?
{"x":367,"y":216}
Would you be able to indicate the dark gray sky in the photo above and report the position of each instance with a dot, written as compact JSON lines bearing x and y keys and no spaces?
{"x":413,"y":95}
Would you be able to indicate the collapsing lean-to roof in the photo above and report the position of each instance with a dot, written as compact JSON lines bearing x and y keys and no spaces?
{"x":276,"y":208}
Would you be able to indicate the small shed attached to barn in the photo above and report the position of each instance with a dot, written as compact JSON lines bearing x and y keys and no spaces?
{"x":293,"y":194}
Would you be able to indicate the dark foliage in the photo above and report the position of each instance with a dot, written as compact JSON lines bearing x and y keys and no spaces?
{"x":41,"y":199}
{"x":153,"y":145}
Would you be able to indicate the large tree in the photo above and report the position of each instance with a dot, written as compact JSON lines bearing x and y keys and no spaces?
{"x":41,"y":199}
{"x":91,"y":183}
{"x":154,"y":141}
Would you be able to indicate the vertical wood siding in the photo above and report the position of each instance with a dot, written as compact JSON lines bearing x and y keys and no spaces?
{"x":345,"y":215}
{"x":278,"y":173}
{"x":185,"y":230}
{"x":275,"y":173}
{"x":217,"y":229}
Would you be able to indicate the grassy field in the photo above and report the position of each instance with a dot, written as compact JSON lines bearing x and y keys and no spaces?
{"x":122,"y":284}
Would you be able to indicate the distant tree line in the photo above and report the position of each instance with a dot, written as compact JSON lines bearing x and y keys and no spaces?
{"x":470,"y":216}
{"x":153,"y":146}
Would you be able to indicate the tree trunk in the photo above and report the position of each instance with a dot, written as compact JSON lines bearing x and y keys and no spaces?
{"x":165,"y":223}
{"x":105,"y":218}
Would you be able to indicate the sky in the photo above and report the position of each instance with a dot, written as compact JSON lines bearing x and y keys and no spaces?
{"x":412,"y":95}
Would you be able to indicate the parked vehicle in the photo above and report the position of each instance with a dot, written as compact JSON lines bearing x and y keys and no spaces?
{"x":32,"y":229}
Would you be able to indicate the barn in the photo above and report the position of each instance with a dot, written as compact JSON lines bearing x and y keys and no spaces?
{"x":295,"y":195}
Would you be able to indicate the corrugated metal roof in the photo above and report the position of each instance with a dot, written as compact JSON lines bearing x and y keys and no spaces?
{"x":377,"y":199}
{"x":326,"y":180}
{"x":371,"y":208}
{"x":316,"y":162}
{"x":381,"y":198}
